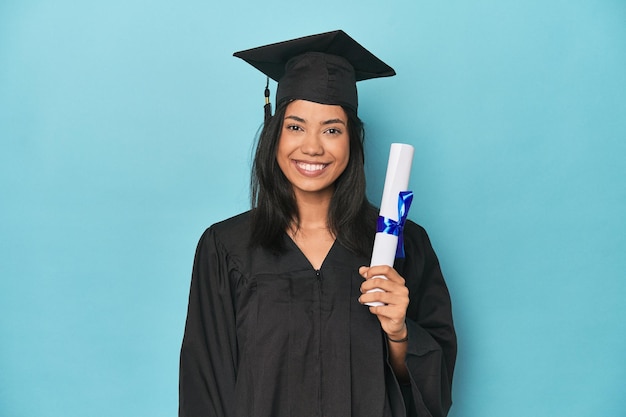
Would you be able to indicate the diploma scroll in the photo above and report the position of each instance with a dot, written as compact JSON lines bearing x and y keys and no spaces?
{"x":393,"y":206}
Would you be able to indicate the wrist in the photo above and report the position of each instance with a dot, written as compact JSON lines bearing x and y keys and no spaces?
{"x":400,"y":336}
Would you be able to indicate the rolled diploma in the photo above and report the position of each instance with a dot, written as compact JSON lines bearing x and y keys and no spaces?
{"x":396,"y":180}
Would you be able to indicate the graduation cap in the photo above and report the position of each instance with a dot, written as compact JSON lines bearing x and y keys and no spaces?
{"x":322,"y":68}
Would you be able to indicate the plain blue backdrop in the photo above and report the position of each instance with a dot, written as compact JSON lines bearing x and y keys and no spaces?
{"x":126,"y":128}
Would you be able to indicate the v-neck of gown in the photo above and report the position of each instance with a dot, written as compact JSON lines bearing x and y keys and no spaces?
{"x":305,"y":258}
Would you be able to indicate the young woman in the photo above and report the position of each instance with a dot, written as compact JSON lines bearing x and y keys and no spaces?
{"x":277,"y":324}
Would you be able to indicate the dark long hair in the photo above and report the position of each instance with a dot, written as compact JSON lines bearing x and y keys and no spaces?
{"x":351,"y":218}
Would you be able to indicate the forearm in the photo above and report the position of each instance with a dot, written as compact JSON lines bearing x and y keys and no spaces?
{"x":397,"y":346}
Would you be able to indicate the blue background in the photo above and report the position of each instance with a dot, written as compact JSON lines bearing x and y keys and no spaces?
{"x":126,"y":129}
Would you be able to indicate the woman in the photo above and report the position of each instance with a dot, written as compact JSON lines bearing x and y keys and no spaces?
{"x":277,"y":324}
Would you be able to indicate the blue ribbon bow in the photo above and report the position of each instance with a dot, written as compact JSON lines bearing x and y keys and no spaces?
{"x":392,"y":227}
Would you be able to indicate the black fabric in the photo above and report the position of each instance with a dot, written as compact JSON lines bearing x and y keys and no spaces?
{"x":318,"y":77}
{"x":322,"y":68}
{"x":269,"y":336}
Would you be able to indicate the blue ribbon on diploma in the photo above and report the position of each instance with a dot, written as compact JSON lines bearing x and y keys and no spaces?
{"x":392,"y":227}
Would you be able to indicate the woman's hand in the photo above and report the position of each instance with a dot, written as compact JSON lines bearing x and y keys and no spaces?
{"x":395,"y":297}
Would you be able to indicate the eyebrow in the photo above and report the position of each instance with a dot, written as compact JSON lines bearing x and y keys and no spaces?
{"x":333,"y":121}
{"x":326,"y":122}
{"x":296,"y":118}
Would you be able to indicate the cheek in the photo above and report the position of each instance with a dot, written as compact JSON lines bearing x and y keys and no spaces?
{"x":343,"y":152}
{"x":280,"y":149}
{"x":281,"y":160}
{"x":282,"y":156}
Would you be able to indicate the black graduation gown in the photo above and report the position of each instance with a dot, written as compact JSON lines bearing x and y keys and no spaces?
{"x":269,"y":336}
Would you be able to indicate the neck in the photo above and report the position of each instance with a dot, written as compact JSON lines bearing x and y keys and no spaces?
{"x":313,"y":210}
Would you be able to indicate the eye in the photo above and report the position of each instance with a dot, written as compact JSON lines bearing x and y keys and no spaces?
{"x":334,"y":131}
{"x":293,"y":128}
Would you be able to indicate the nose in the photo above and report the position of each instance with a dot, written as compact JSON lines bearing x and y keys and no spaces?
{"x":312,"y":145}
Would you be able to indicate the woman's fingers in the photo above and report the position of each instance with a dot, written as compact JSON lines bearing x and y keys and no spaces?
{"x":390,"y":286}
{"x":383,"y":277}
{"x":381,"y":270}
{"x":388,"y":295}
{"x":383,"y":284}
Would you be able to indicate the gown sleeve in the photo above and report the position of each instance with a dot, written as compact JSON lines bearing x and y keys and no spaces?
{"x":432,"y":346}
{"x":208,"y":357}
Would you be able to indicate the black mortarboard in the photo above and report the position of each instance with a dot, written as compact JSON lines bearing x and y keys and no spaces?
{"x":323,"y":68}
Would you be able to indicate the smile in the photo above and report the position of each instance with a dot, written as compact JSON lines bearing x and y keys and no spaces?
{"x":310,"y":168}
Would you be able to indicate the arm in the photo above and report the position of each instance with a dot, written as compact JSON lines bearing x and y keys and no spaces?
{"x":426,"y":360}
{"x":208,"y":357}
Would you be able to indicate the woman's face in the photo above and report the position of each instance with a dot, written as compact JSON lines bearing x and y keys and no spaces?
{"x":313,"y":147}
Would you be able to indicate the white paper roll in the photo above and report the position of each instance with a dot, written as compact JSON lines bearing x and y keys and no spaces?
{"x":396,"y":180}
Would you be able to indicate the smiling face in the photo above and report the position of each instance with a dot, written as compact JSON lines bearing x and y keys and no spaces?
{"x":313,"y":147}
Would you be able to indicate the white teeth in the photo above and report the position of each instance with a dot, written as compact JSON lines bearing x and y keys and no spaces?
{"x":311,"y":167}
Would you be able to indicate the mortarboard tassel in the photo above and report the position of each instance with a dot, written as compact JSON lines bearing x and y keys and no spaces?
{"x":268,"y":105}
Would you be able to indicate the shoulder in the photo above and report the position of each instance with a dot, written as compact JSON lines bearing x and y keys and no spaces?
{"x":230,"y":235}
{"x":414,"y":231}
{"x":235,"y":224}
{"x":417,"y":244}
